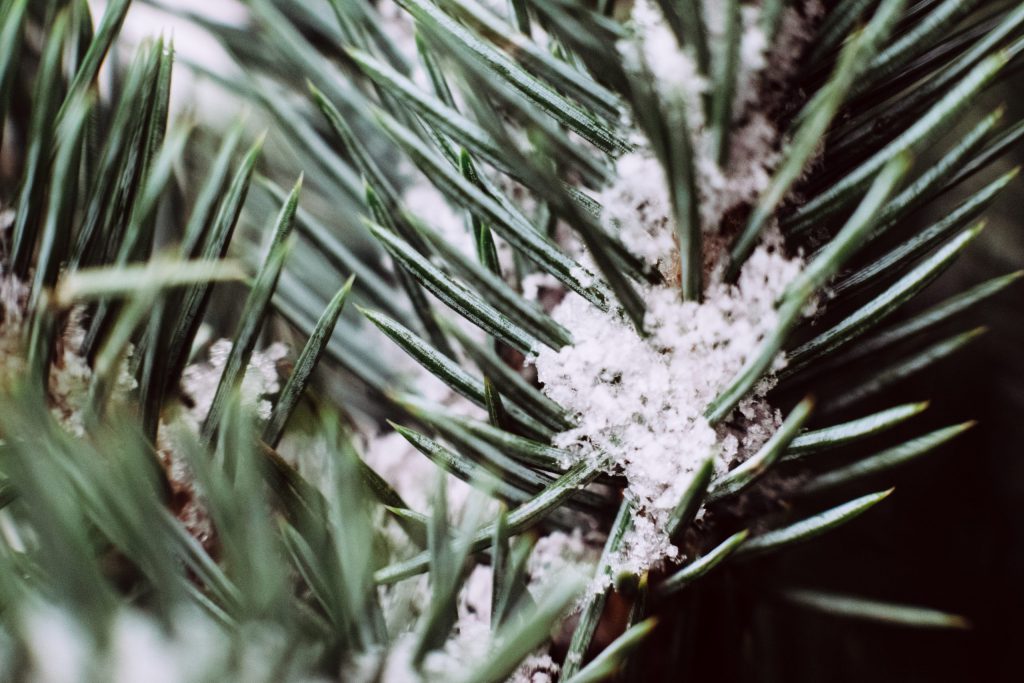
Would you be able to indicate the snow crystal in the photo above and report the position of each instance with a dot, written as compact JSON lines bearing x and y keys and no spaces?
{"x":469,"y":643}
{"x":753,"y":43}
{"x":558,"y":553}
{"x":70,"y":374}
{"x":658,"y":51}
{"x":753,"y":157}
{"x":637,"y":205}
{"x":261,"y":381}
{"x":536,"y":669}
{"x":534,"y":284}
{"x":199,"y":386}
{"x":642,"y":401}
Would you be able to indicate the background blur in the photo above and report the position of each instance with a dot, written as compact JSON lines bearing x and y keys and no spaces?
{"x":952,"y":535}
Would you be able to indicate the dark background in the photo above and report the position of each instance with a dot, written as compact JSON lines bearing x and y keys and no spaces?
{"x":951,"y":537}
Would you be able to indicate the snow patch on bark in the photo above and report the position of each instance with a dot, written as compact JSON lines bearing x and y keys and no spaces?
{"x":70,"y":373}
{"x":637,"y":204}
{"x":642,"y":400}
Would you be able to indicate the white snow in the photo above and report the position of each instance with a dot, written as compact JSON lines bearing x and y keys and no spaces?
{"x":642,"y":400}
{"x":138,"y":648}
{"x":559,"y":553}
{"x":58,"y":646}
{"x":637,"y":204}
{"x":199,"y":385}
{"x":261,"y":380}
{"x":70,"y":374}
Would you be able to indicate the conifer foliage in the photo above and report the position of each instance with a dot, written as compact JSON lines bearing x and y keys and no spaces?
{"x":493,"y":336}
